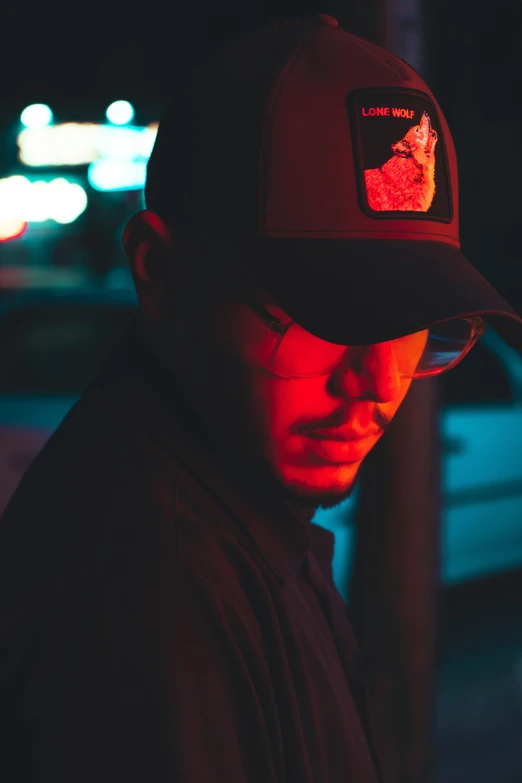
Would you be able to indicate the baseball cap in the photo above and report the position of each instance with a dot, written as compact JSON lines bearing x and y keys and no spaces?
{"x":323,"y":165}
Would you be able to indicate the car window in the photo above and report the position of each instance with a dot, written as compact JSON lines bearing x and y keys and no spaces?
{"x":480,"y":378}
{"x":58,"y":349}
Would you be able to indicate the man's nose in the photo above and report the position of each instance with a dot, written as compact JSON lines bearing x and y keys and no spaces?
{"x":372,"y":374}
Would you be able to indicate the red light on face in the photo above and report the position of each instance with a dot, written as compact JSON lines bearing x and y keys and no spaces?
{"x":11,"y":229}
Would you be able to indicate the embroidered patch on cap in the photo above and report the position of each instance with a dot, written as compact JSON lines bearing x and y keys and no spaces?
{"x":400,"y":155}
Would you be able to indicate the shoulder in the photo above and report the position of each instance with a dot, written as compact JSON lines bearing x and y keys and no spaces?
{"x":217,"y":547}
{"x":102,"y":508}
{"x":75,"y":507}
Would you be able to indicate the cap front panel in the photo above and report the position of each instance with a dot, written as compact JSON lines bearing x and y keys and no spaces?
{"x":317,"y":149}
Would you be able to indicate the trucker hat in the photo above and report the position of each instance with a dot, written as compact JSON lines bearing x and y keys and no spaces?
{"x":322,"y":164}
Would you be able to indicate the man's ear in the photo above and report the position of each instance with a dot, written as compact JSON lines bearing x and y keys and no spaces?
{"x":148,"y":246}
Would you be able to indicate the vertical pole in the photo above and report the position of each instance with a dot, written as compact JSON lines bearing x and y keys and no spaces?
{"x":393,"y":594}
{"x":394,"y":584}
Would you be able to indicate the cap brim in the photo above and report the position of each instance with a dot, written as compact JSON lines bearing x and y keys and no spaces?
{"x":364,"y":291}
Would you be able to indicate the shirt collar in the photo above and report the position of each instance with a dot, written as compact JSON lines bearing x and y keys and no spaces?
{"x":140,"y":385}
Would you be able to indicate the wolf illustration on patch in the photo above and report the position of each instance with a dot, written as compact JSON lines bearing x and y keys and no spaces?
{"x":406,"y":182}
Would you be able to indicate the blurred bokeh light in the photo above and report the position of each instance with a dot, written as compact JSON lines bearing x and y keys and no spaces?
{"x":11,"y":228}
{"x":120,"y":112}
{"x":37,"y":115}
{"x":57,"y":199}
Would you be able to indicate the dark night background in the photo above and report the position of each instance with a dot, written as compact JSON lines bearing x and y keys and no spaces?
{"x":79,"y":58}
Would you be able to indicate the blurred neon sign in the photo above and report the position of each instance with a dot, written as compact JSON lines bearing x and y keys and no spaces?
{"x":117,"y":174}
{"x":25,"y":201}
{"x":80,"y":143}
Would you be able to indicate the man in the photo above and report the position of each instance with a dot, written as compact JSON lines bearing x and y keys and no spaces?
{"x":167,"y":606}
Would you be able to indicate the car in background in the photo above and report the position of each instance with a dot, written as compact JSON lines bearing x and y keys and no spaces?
{"x":52,"y":343}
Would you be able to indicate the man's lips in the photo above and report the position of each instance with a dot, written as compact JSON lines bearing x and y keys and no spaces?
{"x":341,"y":446}
{"x":342,"y":434}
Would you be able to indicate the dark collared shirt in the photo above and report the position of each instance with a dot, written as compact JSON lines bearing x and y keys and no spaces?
{"x":162,"y":620}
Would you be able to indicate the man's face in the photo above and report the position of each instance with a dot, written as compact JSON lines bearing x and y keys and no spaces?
{"x":311,"y":434}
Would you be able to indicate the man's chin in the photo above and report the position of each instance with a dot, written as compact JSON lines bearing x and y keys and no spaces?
{"x":313,"y":488}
